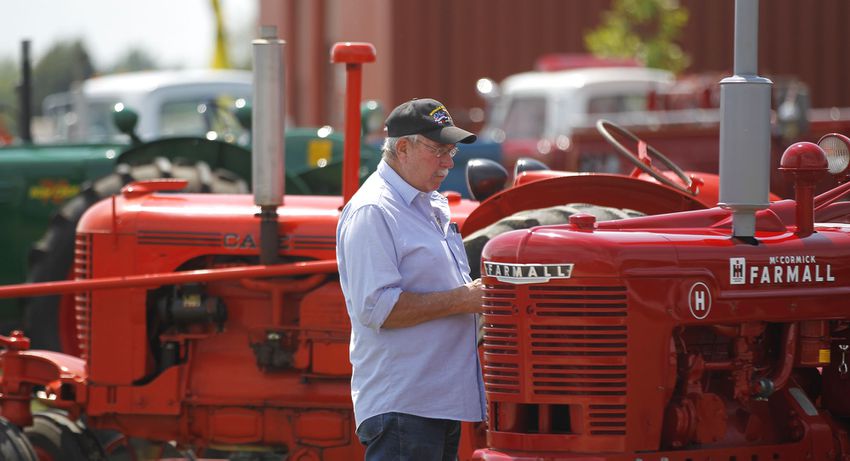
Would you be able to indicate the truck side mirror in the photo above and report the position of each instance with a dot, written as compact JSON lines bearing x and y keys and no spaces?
{"x":125,"y":119}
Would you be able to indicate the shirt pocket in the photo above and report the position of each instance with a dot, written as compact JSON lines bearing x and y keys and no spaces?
{"x":455,"y":243}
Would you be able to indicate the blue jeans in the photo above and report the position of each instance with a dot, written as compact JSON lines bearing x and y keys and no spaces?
{"x":403,"y":437}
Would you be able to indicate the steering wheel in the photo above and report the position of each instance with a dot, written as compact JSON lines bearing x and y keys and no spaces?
{"x":642,"y":160}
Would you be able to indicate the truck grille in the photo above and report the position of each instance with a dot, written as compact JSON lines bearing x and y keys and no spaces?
{"x":82,"y":301}
{"x":549,"y":343}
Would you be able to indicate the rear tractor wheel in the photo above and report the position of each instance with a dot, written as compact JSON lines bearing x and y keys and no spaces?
{"x":56,"y":438}
{"x":474,"y":243}
{"x":14,"y":445}
{"x":49,"y":320}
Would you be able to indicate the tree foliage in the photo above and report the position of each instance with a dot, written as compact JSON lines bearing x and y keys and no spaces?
{"x":134,"y":60}
{"x":8,"y":96}
{"x":642,"y":29}
{"x":56,"y":71}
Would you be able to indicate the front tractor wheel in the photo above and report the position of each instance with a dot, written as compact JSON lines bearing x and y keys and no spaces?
{"x":14,"y":445}
{"x":56,"y":438}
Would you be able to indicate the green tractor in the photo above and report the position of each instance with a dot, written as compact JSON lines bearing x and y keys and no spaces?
{"x":191,"y":125}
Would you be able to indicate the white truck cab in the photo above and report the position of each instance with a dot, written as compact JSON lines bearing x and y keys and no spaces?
{"x":168,"y":103}
{"x":548,"y":105}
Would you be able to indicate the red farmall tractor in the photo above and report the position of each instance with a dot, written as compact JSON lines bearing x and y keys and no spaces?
{"x":716,"y":334}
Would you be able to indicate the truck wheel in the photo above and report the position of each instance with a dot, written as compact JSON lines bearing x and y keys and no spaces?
{"x":49,"y":320}
{"x":14,"y":445}
{"x":56,"y":438}
{"x":474,"y":243}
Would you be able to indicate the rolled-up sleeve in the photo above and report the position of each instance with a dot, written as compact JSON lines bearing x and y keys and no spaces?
{"x":368,"y":265}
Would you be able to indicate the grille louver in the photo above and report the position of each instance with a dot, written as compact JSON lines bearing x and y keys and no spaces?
{"x":82,"y":301}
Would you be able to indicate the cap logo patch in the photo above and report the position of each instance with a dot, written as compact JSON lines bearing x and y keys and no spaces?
{"x":441,"y":116}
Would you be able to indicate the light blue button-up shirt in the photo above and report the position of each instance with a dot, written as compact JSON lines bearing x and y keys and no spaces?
{"x":393,"y":238}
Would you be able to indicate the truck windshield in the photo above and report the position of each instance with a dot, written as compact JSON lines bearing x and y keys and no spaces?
{"x":210,"y":118}
{"x":525,"y":118}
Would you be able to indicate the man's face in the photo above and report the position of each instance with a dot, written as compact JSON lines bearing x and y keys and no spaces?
{"x":424,"y":163}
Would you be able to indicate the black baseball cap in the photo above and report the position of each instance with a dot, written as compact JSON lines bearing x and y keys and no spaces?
{"x":428,"y":118}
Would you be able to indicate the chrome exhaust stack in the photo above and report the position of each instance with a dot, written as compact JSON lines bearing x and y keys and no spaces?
{"x":745,"y":128}
{"x":267,"y":134}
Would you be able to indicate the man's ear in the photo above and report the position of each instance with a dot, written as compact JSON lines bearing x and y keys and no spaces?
{"x":404,"y":146}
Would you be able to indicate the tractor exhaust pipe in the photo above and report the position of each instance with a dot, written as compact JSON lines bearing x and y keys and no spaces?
{"x":25,"y":94}
{"x":745,"y":128}
{"x":267,"y":134}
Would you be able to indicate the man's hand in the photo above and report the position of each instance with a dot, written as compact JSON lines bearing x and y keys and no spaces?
{"x":472,"y":296}
{"x":415,"y":308}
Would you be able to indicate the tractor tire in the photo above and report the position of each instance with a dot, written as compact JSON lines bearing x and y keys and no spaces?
{"x":51,"y":257}
{"x":55,"y":437}
{"x":14,"y":445}
{"x":474,"y":243}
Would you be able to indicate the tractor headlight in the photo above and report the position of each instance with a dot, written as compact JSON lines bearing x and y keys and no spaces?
{"x":837,"y":148}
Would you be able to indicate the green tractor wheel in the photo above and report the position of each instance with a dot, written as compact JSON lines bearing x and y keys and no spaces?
{"x":49,"y":320}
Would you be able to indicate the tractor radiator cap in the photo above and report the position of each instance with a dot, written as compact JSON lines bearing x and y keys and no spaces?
{"x":583,"y":221}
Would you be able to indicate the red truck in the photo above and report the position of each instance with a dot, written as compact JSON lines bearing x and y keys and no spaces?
{"x":550,"y":115}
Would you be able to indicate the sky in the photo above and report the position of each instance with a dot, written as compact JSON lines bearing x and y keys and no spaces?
{"x":176,"y":33}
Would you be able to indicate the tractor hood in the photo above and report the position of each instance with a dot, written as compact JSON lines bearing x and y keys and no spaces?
{"x":219,"y":224}
{"x":781,"y":265}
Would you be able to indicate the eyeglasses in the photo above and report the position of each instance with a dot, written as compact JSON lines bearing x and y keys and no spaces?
{"x":451,"y":151}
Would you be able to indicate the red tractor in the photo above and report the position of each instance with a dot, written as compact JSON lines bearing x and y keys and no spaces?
{"x":216,"y":324}
{"x":716,"y":334}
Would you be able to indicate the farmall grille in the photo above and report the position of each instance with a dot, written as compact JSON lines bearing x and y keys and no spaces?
{"x":554,"y":344}
{"x":82,"y":301}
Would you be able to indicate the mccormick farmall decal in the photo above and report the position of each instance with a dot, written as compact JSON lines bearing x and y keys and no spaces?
{"x":778,"y":270}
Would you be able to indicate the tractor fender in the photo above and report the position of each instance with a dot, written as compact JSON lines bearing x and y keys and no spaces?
{"x":605,"y":190}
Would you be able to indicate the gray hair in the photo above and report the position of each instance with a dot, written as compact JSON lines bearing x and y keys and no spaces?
{"x":388,"y":151}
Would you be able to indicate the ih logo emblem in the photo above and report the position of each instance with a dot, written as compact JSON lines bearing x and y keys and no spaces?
{"x":699,"y":300}
{"x":737,"y":269}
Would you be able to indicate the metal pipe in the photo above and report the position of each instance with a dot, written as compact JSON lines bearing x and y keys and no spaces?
{"x":778,"y":378}
{"x":354,"y":55}
{"x":268,"y":130}
{"x":746,"y":37}
{"x":167,"y":278}
{"x":745,"y":127}
{"x":25,"y":94}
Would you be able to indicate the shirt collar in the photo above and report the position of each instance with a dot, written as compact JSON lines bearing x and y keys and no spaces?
{"x":408,"y":193}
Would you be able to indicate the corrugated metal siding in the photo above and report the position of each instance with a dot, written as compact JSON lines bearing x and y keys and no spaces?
{"x":440,"y":48}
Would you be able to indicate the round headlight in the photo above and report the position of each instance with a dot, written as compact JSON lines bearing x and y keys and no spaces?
{"x":837,"y":148}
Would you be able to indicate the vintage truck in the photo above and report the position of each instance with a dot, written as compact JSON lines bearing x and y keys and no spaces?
{"x":550,"y":115}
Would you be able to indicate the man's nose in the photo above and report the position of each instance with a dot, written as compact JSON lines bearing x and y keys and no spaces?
{"x":447,"y":161}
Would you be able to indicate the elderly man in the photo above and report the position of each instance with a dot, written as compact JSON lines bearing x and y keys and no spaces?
{"x":405,"y":276}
